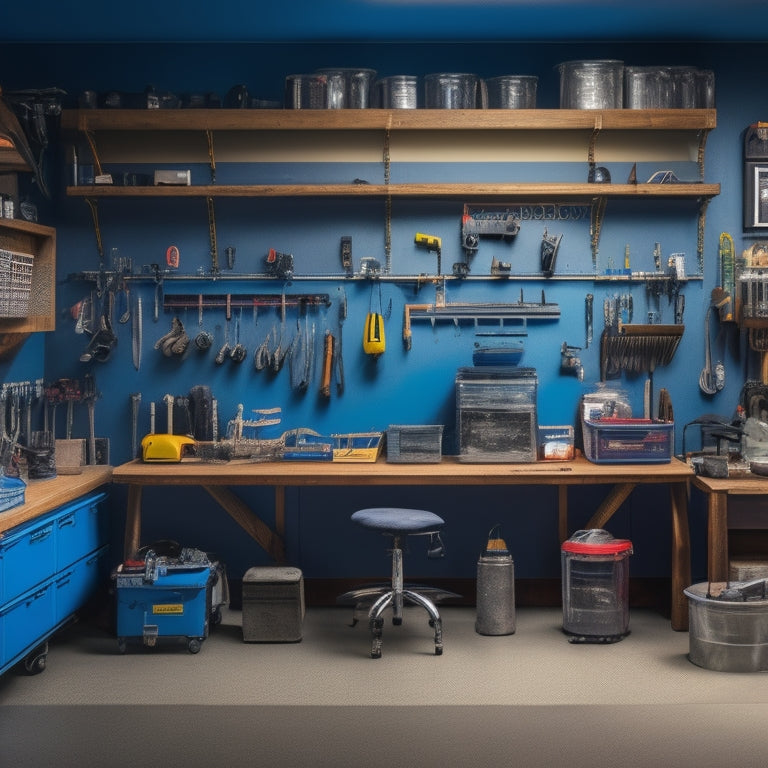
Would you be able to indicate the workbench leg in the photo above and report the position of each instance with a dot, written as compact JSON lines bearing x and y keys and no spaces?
{"x":562,"y":512}
{"x":280,"y":511}
{"x":681,"y":555}
{"x":717,"y":537}
{"x":132,"y":539}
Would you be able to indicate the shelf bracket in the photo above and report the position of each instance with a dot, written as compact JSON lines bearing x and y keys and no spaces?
{"x":593,"y":140}
{"x":702,"y":136}
{"x":91,"y":139}
{"x":93,"y":204}
{"x":703,"y":203}
{"x":211,"y":155}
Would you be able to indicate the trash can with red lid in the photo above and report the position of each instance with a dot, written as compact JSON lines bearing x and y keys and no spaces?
{"x":595,"y":582}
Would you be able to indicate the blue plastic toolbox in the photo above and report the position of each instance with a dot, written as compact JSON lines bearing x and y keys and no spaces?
{"x":165,"y":596}
{"x":628,"y":441}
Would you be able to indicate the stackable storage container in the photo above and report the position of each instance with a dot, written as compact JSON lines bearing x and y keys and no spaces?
{"x":273,"y":604}
{"x":496,"y":414}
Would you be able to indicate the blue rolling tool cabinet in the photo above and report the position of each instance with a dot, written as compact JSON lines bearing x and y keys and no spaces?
{"x":49,"y":567}
{"x":165,"y":596}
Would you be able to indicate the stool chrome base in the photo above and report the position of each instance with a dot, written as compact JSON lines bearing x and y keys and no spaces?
{"x":395,"y":595}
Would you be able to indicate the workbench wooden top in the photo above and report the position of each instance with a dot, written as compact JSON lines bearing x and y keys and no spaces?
{"x":450,"y":471}
{"x":751,"y":485}
{"x":42,"y":496}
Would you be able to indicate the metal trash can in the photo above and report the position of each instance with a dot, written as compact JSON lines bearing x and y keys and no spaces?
{"x":495,"y":588}
{"x":595,"y":583}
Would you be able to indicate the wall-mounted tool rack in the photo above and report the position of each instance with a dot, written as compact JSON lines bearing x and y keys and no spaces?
{"x":521,"y":312}
{"x":230,"y":301}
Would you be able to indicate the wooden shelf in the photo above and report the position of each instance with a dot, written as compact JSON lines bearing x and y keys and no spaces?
{"x":39,"y":241}
{"x":383,"y":119}
{"x":533,"y":191}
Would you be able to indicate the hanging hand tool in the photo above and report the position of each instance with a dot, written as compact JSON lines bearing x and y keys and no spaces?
{"x":278,"y":356}
{"x":239,"y":352}
{"x":374,"y":342}
{"x":589,"y":316}
{"x":550,"y":245}
{"x":158,"y":292}
{"x":90,"y":395}
{"x":346,"y":254}
{"x":337,"y":348}
{"x":135,"y":401}
{"x":431,"y":243}
{"x":325,"y":383}
{"x":137,"y":334}
{"x":172,"y":257}
{"x":727,"y":277}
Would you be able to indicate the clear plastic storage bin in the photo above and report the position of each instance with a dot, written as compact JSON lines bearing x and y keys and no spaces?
{"x":595,"y":582}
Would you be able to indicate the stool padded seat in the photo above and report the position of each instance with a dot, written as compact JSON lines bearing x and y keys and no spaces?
{"x":395,"y":520}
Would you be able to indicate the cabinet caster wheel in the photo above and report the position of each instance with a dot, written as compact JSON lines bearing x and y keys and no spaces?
{"x":121,"y":644}
{"x":35,"y":663}
{"x":194,"y":645}
{"x":216,"y":617}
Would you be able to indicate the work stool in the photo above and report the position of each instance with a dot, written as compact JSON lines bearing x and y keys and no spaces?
{"x":399,"y":524}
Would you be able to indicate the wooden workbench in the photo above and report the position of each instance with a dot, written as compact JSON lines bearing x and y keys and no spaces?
{"x":42,"y":496}
{"x":215,"y":479}
{"x":718,"y":491}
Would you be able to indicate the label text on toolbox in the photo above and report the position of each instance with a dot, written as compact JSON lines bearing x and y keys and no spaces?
{"x":169,"y":608}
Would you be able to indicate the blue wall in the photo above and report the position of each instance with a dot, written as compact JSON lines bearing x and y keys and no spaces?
{"x":401,"y":387}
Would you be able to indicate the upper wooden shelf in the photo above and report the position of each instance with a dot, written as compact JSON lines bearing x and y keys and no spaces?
{"x":533,"y":190}
{"x":382,"y":119}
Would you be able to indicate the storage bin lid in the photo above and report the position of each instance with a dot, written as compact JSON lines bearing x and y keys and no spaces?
{"x":270,"y":574}
{"x":596,"y":541}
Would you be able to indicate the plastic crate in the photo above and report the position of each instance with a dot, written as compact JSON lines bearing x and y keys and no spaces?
{"x":12,"y":491}
{"x":628,"y":441}
{"x":15,"y":283}
{"x":415,"y":443}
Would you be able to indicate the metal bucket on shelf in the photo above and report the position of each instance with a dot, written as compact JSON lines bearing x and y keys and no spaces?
{"x":596,"y":84}
{"x":452,"y":90}
{"x":306,"y":91}
{"x":397,"y":92}
{"x":512,"y":91}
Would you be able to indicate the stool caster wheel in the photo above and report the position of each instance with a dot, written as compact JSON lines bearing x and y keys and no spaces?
{"x":432,"y":623}
{"x":397,"y":621}
{"x":439,"y":650}
{"x":377,"y":627}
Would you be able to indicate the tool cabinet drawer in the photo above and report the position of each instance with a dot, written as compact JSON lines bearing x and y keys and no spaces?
{"x":25,"y":620}
{"x":27,"y":557}
{"x":75,"y":585}
{"x":81,"y":527}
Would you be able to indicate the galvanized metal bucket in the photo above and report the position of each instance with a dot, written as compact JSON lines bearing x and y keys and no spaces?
{"x":727,"y":635}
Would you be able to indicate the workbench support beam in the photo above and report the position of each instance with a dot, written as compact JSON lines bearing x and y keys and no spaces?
{"x":615,"y":498}
{"x":268,"y":539}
